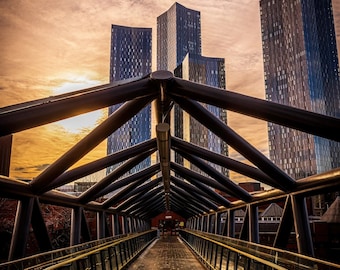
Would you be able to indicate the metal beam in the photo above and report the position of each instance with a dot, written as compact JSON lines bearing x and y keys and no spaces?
{"x":181,"y":147}
{"x":85,"y":229}
{"x":162,"y":81}
{"x":21,"y":229}
{"x":97,"y":135}
{"x":97,"y":189}
{"x":101,"y":225}
{"x":193,"y":189}
{"x":115,"y":225}
{"x":191,"y":175}
{"x":5,"y":154}
{"x":325,"y":182}
{"x":254,"y":233}
{"x":76,"y":220}
{"x":202,"y":182}
{"x":39,"y":227}
{"x":245,"y":229}
{"x":163,"y":142}
{"x":31,"y":114}
{"x":313,"y":123}
{"x":145,"y":192}
{"x":100,"y":164}
{"x":233,"y":189}
{"x":130,"y":184}
{"x":198,"y":208}
{"x":143,"y":200}
{"x":231,"y":223}
{"x":182,"y":210}
{"x":302,"y":228}
{"x":155,"y":203}
{"x":115,"y":185}
{"x":285,"y":226}
{"x":194,"y":197}
{"x":237,"y":142}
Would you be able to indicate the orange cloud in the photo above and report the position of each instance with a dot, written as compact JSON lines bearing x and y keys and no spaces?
{"x":45,"y":43}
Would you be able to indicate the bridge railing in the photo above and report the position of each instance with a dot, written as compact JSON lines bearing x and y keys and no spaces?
{"x":220,"y":252}
{"x":114,"y":251}
{"x":55,"y":255}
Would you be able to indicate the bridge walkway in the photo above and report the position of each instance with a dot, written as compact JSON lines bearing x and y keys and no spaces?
{"x":167,"y":252}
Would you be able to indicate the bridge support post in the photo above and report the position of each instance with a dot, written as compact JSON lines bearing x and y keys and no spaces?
{"x":217,"y":223}
{"x":253,"y":224}
{"x":302,"y":227}
{"x":193,"y":223}
{"x":123,"y":224}
{"x":76,"y":217}
{"x":208,"y":223}
{"x":101,"y":224}
{"x":212,"y":223}
{"x":135,"y":225}
{"x":21,"y":228}
{"x":129,"y":224}
{"x":205,"y":223}
{"x":39,"y":227}
{"x":5,"y":154}
{"x":115,"y":224}
{"x":286,"y":225}
{"x":231,"y":223}
{"x":145,"y":225}
{"x":140,"y":225}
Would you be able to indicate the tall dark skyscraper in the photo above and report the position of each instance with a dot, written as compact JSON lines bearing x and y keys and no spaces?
{"x":179,"y":50}
{"x":130,"y":58}
{"x":301,"y":70}
{"x":205,"y":70}
{"x":178,"y":33}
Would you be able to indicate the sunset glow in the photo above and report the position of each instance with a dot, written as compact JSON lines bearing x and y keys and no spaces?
{"x":78,"y":123}
{"x":52,"y":47}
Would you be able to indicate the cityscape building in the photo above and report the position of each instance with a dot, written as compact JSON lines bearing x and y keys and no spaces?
{"x":301,"y":70}
{"x":131,"y":57}
{"x":178,"y":33}
{"x":179,"y":50}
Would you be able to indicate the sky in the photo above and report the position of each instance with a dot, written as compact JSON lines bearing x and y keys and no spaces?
{"x":50,"y":47}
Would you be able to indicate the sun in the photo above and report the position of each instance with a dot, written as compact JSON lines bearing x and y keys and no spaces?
{"x":78,"y":123}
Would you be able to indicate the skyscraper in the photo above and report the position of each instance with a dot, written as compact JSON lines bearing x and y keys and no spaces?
{"x":178,"y":33}
{"x":179,"y":50}
{"x":204,"y":70}
{"x":301,"y":70}
{"x":130,"y":58}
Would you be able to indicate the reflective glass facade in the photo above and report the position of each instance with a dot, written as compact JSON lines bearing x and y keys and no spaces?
{"x":204,"y":70}
{"x":130,"y":58}
{"x":179,"y":50}
{"x":301,"y":70}
{"x":178,"y":33}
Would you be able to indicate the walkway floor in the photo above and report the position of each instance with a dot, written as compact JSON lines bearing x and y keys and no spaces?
{"x":167,"y":253}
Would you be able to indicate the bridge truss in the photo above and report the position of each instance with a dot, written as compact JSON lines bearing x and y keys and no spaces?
{"x":174,"y":187}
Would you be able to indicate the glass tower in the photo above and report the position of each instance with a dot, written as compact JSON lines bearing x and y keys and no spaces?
{"x":301,"y":70}
{"x":179,"y":50}
{"x":178,"y":33}
{"x":130,"y":58}
{"x":204,"y":70}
